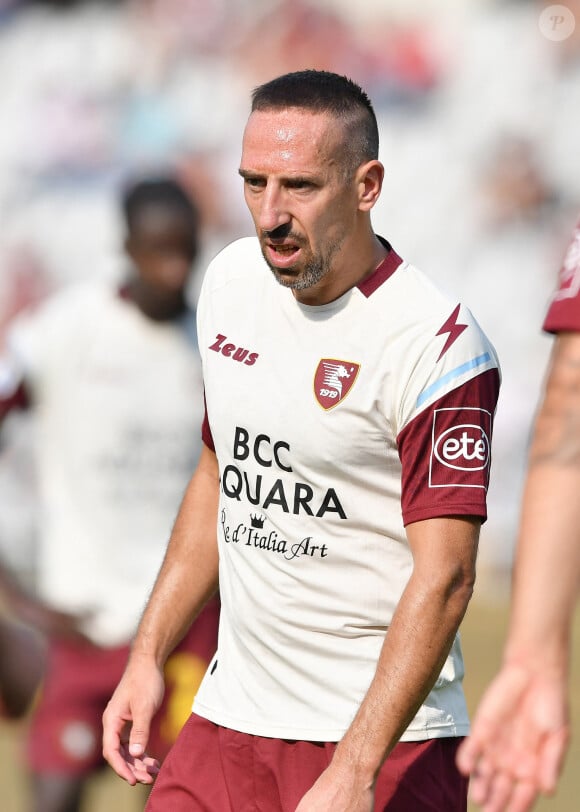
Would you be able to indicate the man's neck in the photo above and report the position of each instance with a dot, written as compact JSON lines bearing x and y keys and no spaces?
{"x":153,"y":306}
{"x":355,"y":268}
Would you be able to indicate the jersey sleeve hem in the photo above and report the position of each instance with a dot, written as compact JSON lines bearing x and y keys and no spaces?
{"x":444,"y":511}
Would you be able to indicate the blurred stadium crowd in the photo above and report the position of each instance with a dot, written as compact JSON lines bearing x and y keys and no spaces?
{"x":478,"y":111}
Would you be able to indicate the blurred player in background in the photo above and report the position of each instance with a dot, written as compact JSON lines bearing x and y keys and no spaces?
{"x":113,"y":376}
{"x":521,"y":730}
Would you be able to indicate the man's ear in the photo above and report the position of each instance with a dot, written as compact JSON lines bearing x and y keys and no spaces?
{"x":369,"y":184}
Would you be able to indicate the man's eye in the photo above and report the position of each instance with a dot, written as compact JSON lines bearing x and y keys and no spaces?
{"x":254,"y":183}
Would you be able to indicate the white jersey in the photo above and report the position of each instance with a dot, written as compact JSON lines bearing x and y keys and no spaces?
{"x":334,"y":426}
{"x":118,"y":399}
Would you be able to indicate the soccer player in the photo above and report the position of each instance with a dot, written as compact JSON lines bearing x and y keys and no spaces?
{"x":338,"y":497}
{"x":113,"y":375}
{"x":521,"y":729}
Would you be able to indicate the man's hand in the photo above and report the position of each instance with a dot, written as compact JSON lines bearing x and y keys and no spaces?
{"x":338,"y":790}
{"x":127,"y":719}
{"x":519,"y":738}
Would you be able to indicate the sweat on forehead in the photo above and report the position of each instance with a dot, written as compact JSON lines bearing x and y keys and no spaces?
{"x":300,"y":137}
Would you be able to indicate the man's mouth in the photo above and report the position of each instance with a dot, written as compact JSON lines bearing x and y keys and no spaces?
{"x":283,"y":254}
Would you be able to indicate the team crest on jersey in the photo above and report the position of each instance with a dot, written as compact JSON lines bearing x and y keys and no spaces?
{"x":333,"y":380}
{"x":570,"y":272}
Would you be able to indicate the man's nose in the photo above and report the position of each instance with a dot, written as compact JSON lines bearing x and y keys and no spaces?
{"x":272,"y":212}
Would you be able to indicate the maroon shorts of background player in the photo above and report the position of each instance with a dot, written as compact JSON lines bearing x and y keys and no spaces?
{"x":211,"y":767}
{"x":66,"y":729}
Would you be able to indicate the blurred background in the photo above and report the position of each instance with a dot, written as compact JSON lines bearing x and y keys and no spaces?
{"x":478,"y":107}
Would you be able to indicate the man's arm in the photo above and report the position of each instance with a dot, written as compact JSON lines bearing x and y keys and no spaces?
{"x":22,"y":650}
{"x":414,"y":651}
{"x":187,"y":579}
{"x":34,"y":612}
{"x":22,"y":659}
{"x":521,"y":730}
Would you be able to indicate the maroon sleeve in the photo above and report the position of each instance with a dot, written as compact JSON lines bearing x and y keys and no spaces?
{"x":445,"y":453}
{"x":564,"y":311}
{"x":206,"y":435}
{"x":17,"y":399}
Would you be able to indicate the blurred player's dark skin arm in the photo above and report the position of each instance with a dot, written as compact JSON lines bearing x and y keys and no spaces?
{"x":415,"y":648}
{"x":21,"y":667}
{"x":22,"y":650}
{"x":19,"y":600}
{"x":187,"y":579}
{"x":34,"y":612}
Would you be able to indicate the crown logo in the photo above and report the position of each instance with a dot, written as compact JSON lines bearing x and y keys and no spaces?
{"x":257,"y":520}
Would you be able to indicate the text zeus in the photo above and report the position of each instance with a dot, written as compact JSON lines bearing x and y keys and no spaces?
{"x":292,"y":498}
{"x":231,"y":351}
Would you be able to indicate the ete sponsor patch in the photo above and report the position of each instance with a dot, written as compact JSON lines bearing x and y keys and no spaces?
{"x":461,"y":448}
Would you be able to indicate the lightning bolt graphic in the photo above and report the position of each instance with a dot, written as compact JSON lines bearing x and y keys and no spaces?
{"x":453,"y":329}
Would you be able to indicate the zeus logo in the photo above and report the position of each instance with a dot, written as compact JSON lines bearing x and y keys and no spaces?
{"x":453,"y":329}
{"x":223,"y":346}
{"x":463,"y":448}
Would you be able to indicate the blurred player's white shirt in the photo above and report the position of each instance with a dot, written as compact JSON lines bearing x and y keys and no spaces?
{"x":333,"y":427}
{"x":119,"y":403}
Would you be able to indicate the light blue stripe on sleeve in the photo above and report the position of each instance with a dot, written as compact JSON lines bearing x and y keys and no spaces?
{"x":449,"y":376}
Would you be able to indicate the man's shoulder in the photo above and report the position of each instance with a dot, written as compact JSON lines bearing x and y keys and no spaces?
{"x":69,"y":305}
{"x":423,"y":320}
{"x":54,"y":330}
{"x":413,"y":297}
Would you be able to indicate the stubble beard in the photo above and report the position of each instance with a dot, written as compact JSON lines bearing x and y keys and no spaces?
{"x":315,"y":269}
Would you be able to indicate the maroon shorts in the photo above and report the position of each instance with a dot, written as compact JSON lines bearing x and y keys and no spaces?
{"x":214,"y":769}
{"x":66,"y":728}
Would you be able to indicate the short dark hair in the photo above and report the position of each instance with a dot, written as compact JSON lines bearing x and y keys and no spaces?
{"x":325,"y":92}
{"x":164,"y":192}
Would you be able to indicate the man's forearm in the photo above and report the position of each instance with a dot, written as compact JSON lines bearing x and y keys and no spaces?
{"x":189,"y":573}
{"x":547,"y":567}
{"x":414,"y":651}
